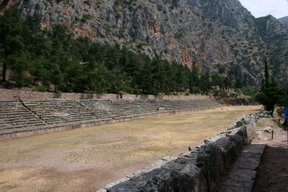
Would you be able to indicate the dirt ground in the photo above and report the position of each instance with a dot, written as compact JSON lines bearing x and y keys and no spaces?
{"x":87,"y":159}
{"x":272,"y":175}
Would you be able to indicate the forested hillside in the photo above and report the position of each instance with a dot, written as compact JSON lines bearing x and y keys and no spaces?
{"x":163,"y":46}
{"x":41,"y":60}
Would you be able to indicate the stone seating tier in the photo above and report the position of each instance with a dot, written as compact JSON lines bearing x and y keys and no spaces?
{"x":17,"y":116}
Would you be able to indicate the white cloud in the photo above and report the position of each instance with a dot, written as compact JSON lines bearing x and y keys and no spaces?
{"x":259,"y":8}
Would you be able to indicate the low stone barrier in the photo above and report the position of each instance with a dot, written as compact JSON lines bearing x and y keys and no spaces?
{"x":8,"y":94}
{"x":199,"y":170}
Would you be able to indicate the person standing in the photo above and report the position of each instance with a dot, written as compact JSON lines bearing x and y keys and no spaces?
{"x":285,"y":113}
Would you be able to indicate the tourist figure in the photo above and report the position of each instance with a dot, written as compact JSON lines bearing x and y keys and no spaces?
{"x":285,"y":113}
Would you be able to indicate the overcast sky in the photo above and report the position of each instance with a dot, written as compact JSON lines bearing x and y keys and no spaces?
{"x":259,"y":8}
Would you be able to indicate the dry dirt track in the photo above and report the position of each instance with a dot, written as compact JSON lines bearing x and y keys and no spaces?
{"x":272,"y":174}
{"x":89,"y":158}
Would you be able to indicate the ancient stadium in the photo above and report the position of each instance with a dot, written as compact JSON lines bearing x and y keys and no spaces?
{"x":75,"y":144}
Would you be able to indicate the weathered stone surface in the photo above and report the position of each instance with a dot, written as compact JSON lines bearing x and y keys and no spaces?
{"x":208,"y":159}
{"x":247,"y":163}
{"x":161,"y":180}
{"x":235,"y":189}
{"x":284,"y":21}
{"x":242,"y":175}
{"x":179,"y":175}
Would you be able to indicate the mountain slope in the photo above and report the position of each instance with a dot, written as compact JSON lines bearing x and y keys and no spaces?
{"x":170,"y":30}
{"x":276,"y":39}
{"x":218,"y":35}
{"x":284,"y":21}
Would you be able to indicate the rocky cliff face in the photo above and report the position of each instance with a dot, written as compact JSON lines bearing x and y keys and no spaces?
{"x":170,"y":29}
{"x":284,"y":21}
{"x":212,"y":34}
{"x":275,"y":36}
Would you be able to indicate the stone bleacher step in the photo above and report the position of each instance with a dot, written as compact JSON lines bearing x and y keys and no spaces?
{"x":48,"y":113}
{"x":242,"y":176}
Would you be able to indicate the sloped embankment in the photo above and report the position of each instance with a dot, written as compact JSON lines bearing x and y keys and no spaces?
{"x":23,"y":118}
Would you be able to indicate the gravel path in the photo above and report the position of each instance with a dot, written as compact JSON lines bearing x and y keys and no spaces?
{"x":272,"y":175}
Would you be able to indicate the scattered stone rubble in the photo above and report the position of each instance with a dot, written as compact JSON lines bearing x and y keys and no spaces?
{"x":202,"y":169}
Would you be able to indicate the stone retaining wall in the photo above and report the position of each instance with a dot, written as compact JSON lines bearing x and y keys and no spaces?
{"x":198,"y":171}
{"x":8,"y":94}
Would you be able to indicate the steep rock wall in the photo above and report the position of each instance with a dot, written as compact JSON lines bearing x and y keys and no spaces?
{"x":172,"y":30}
{"x":218,"y":35}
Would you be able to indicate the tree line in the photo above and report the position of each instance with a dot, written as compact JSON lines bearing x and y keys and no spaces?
{"x":38,"y":59}
{"x":271,"y":94}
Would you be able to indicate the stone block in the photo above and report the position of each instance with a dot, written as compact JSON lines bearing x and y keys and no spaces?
{"x":228,"y":188}
{"x":247,"y":163}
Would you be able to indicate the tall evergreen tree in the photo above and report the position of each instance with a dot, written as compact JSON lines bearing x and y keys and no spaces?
{"x":11,"y":40}
{"x":269,"y":94}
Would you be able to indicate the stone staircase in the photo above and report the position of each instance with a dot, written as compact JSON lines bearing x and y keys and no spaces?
{"x":243,"y":173}
{"x":14,"y":117}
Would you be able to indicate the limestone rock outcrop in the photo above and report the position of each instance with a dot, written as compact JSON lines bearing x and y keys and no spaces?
{"x":218,"y":35}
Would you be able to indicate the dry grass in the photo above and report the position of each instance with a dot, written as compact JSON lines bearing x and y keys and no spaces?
{"x":89,"y":158}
